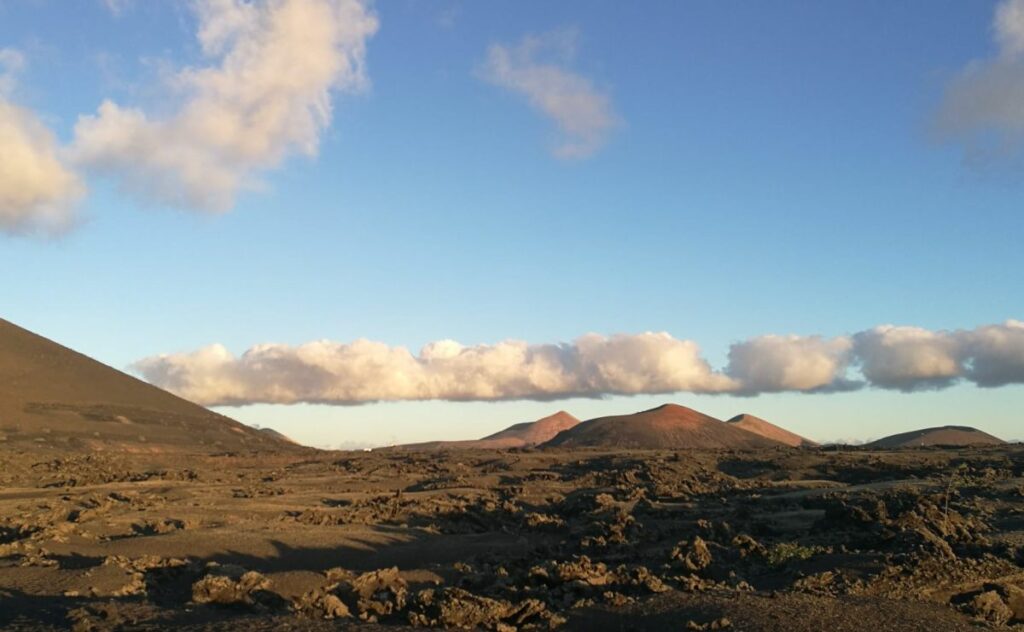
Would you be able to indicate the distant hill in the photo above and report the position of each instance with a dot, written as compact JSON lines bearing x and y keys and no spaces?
{"x":666,"y":427}
{"x":768,"y":430}
{"x":270,"y":432}
{"x":939,"y":436}
{"x":521,"y":435}
{"x":53,"y":397}
{"x":535,"y":432}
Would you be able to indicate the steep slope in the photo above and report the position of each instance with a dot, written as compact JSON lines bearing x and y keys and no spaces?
{"x":270,"y":432}
{"x":938,"y":436}
{"x":51,"y":396}
{"x":769,"y":430}
{"x":535,"y":432}
{"x":666,"y":427}
{"x":522,"y":435}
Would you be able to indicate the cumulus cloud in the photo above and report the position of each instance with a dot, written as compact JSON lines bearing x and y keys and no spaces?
{"x":366,"y":371}
{"x":646,"y":363}
{"x":888,"y":357}
{"x":908,"y":358}
{"x":994,"y":353}
{"x":538,"y":69}
{"x":265,"y":95}
{"x":789,"y":363}
{"x":911,"y":358}
{"x":984,"y":105}
{"x":38,"y":192}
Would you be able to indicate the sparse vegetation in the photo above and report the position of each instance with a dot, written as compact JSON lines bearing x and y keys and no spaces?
{"x":786,"y":552}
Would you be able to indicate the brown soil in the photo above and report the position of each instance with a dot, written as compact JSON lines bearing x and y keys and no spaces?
{"x":666,"y":427}
{"x":270,"y":432}
{"x":768,"y":430}
{"x":521,"y":435}
{"x":769,"y":540}
{"x":204,"y":524}
{"x":940,"y":436}
{"x":536,"y":432}
{"x":51,"y":396}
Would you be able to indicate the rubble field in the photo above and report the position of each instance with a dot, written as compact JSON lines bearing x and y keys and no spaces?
{"x":784,"y":539}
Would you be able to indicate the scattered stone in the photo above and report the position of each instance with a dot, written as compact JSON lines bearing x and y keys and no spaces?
{"x":99,"y":617}
{"x":223,"y":586}
{"x":370,"y":596}
{"x":718,"y":624}
{"x":989,"y":606}
{"x":694,"y":555}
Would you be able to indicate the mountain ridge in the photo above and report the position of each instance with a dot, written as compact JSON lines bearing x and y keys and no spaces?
{"x":53,"y":396}
{"x":669,"y":426}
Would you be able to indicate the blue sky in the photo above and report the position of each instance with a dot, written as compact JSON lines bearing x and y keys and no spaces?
{"x":755,"y":168}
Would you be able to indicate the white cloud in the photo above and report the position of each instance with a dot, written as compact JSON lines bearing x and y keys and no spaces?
{"x":366,"y":371}
{"x":995,"y":354}
{"x":789,"y":363}
{"x":38,"y":193}
{"x":645,"y":363}
{"x":889,"y":357}
{"x":265,"y":96}
{"x":908,"y":358}
{"x":984,"y":105}
{"x":911,"y":358}
{"x":538,"y":69}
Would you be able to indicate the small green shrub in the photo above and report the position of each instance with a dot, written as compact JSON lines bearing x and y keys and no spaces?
{"x":784,"y":552}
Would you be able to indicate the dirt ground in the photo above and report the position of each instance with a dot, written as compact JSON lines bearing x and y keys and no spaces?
{"x":771,"y":540}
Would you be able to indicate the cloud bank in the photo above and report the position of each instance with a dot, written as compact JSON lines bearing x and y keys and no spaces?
{"x":984,"y":105}
{"x":265,"y":95}
{"x":910,"y":358}
{"x":770,"y":364}
{"x":38,"y":192}
{"x":326,"y":372}
{"x":538,"y":69}
{"x":366,"y":371}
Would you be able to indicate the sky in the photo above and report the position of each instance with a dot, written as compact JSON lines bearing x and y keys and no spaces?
{"x":291,"y":210}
